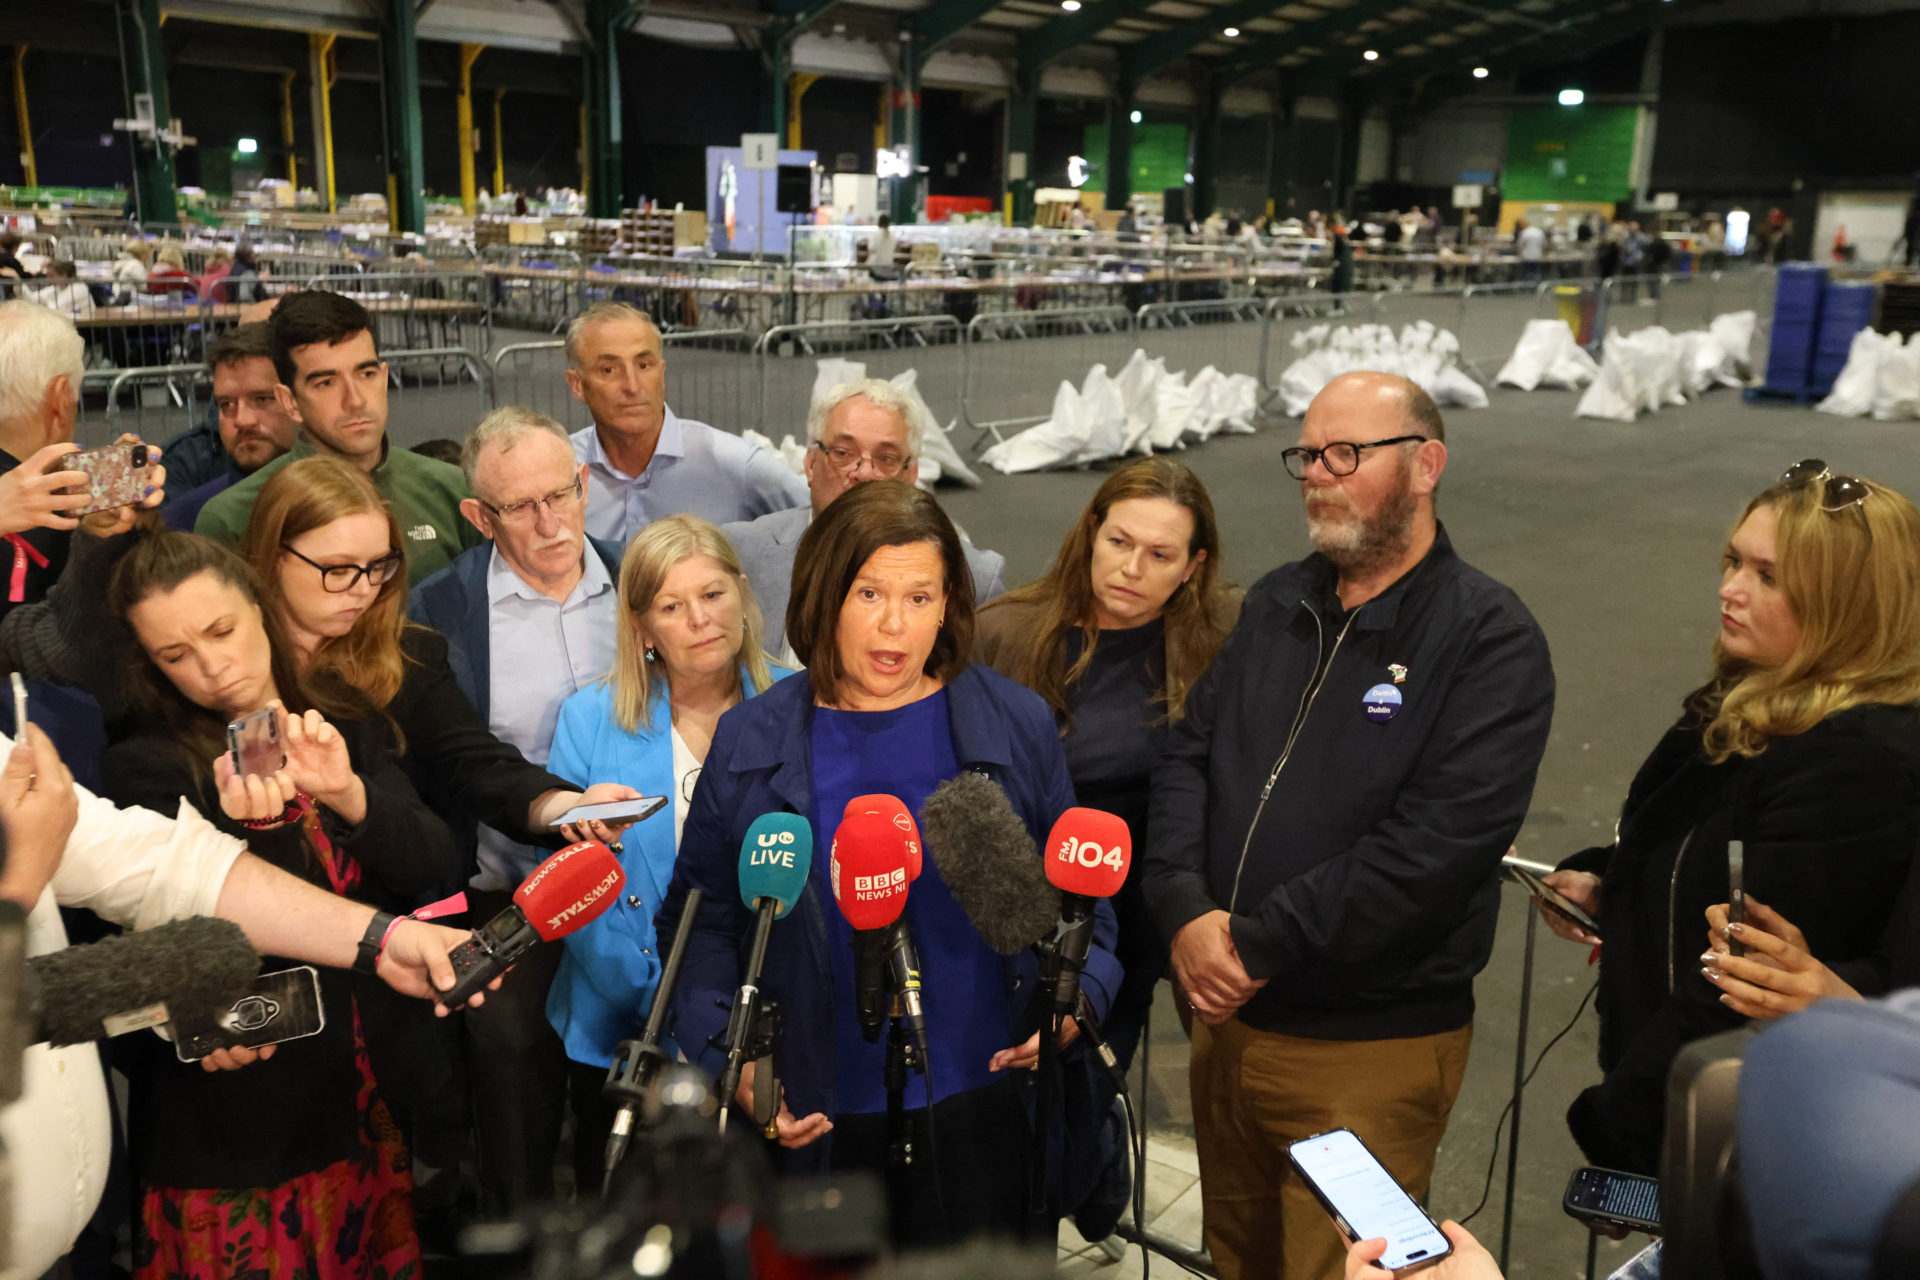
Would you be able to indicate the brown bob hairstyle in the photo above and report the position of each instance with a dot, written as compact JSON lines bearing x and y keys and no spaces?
{"x":838,"y":544}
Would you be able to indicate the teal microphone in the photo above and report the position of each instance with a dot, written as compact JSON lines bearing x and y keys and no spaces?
{"x":776,"y":858}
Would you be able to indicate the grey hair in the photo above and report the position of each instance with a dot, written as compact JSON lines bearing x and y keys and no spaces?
{"x":912,"y":409}
{"x":506,"y":427}
{"x":37,"y":345}
{"x":600,"y":313}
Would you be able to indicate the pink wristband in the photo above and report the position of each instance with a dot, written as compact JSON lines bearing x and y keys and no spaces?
{"x":433,"y":910}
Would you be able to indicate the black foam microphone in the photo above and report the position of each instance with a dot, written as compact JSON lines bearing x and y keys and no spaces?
{"x":194,"y":969}
{"x":989,"y":862}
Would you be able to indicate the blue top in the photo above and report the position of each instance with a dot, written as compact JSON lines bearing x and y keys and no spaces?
{"x":604,"y":986}
{"x":906,"y":752}
{"x":762,"y":761}
{"x":695,"y":470}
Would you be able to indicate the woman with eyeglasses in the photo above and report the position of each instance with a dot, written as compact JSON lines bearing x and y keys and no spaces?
{"x":1798,"y":761}
{"x":293,"y":1165}
{"x":688,"y":650}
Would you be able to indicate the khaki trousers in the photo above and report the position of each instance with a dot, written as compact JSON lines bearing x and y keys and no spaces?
{"x":1255,"y":1092}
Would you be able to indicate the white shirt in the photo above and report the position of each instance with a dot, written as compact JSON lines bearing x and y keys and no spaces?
{"x":136,"y":868}
{"x":69,"y":298}
{"x":686,"y":772}
{"x":1532,"y":241}
{"x":696,"y":470}
{"x":540,"y":652}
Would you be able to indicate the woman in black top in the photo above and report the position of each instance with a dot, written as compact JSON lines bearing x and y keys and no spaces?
{"x":1112,"y":637}
{"x":1804,"y":746}
{"x":294,"y":1164}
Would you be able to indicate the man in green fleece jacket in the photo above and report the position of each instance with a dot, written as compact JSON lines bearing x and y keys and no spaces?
{"x":333,"y":381}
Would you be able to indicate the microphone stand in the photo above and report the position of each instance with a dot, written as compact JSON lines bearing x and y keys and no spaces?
{"x":637,"y":1062}
{"x":1038,"y":1226}
{"x":901,"y":1060}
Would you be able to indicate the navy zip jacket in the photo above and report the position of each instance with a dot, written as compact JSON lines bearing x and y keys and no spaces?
{"x":1345,"y":787}
{"x":761,"y":762}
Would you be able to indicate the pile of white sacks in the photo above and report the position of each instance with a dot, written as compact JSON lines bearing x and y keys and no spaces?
{"x":1881,"y":377}
{"x":1640,"y":371}
{"x":1420,"y":352}
{"x":1141,"y":409}
{"x":938,"y":458}
{"x":1547,"y":356}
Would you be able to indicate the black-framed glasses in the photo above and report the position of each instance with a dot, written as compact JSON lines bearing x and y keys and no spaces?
{"x":885,"y":464}
{"x":1837,"y":493}
{"x":523,"y":512}
{"x":1340,"y":458}
{"x":344,"y":577}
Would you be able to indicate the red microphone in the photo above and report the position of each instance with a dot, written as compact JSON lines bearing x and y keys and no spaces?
{"x":564,"y":893}
{"x":870,"y":870}
{"x":894,"y":810}
{"x":1088,"y":853}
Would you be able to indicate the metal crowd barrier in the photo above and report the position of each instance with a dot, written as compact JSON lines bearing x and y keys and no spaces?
{"x":1017,"y":359}
{"x":935,"y":347}
{"x":159,"y":404}
{"x":417,"y":310}
{"x":712,"y":377}
{"x":437,"y":368}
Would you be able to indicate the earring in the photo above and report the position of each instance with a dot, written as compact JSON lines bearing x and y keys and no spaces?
{"x":650,"y":657}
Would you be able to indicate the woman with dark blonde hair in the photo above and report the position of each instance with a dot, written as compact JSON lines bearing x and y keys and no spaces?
{"x":315,"y":1180}
{"x":1800,"y":756}
{"x":1130,"y":614}
{"x":688,"y":649}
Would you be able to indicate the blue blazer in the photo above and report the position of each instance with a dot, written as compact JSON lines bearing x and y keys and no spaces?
{"x":760,"y":762}
{"x":602,"y":990}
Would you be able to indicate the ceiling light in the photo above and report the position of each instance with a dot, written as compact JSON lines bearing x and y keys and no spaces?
{"x":1135,"y":117}
{"x":1572,"y":97}
{"x":1479,"y":73}
{"x":1071,"y":6}
{"x":1232,"y":32}
{"x":1371,"y":55}
{"x":246,"y":146}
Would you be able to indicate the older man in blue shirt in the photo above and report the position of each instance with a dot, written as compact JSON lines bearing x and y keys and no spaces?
{"x":642,"y":460}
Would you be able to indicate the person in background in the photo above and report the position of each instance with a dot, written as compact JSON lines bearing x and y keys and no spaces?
{"x":242,"y":284}
{"x":1804,"y":745}
{"x":1326,"y":826}
{"x":255,"y":428}
{"x":643,"y":461}
{"x":198,"y":454}
{"x":882,"y":614}
{"x":334,"y":383}
{"x":529,"y":619}
{"x":1341,"y":282}
{"x":689,"y":650}
{"x":212,"y":282}
{"x":130,"y":271}
{"x":1530,"y":242}
{"x":320,"y":1184}
{"x":447,"y":451}
{"x":169,"y":277}
{"x":1113,"y":637}
{"x":10,"y":264}
{"x":862,"y":430}
{"x":63,"y":291}
{"x":882,"y":248}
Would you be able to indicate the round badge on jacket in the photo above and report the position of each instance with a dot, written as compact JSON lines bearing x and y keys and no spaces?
{"x":1381,"y":703}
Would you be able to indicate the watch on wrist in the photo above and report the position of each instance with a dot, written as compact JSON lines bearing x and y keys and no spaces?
{"x":372,"y":941}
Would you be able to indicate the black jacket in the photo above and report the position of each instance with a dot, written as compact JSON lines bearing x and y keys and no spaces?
{"x":1829,"y":821}
{"x":1361,"y":863}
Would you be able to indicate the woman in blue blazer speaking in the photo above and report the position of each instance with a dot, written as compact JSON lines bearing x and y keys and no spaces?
{"x":688,"y":649}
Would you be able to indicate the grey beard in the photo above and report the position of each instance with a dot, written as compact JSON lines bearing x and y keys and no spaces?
{"x":1359,"y":547}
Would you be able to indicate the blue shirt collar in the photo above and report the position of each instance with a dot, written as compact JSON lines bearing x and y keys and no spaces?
{"x":504,"y":583}
{"x":673,"y":443}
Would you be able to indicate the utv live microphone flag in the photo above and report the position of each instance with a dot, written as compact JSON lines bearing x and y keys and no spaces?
{"x":1088,"y":853}
{"x":564,"y":893}
{"x":776,"y":856}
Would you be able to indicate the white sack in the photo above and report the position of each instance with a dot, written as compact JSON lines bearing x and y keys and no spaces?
{"x":1896,"y":392}
{"x":1174,"y":411}
{"x":1106,"y":416}
{"x":938,"y":458}
{"x":1616,"y":393}
{"x":1735,"y":331}
{"x":1059,"y":439}
{"x":1853,"y":391}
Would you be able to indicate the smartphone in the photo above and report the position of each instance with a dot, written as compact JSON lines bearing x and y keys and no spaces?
{"x":253,"y":743}
{"x":613,"y":811}
{"x":1558,"y":903}
{"x":1365,"y":1202}
{"x":1613,"y":1198}
{"x":116,"y":476}
{"x":19,"y":707}
{"x":278,"y":1007}
{"x":1736,"y":893}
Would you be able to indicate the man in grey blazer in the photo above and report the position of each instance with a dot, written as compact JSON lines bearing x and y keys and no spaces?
{"x":861,"y":430}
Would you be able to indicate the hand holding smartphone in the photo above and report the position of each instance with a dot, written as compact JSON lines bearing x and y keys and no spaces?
{"x":1608,"y":1197}
{"x":1553,"y":900}
{"x":1736,"y":894}
{"x":116,"y":476}
{"x":1365,"y":1202}
{"x":628,"y":811}
{"x":278,"y":1007}
{"x":254,"y":744}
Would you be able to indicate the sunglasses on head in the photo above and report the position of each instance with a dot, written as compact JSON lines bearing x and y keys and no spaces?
{"x":1837,"y":492}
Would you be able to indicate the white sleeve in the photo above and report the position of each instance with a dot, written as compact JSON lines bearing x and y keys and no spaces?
{"x":139,"y":868}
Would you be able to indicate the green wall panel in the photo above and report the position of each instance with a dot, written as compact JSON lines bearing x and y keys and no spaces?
{"x":1159,"y":156}
{"x":1570,"y":153}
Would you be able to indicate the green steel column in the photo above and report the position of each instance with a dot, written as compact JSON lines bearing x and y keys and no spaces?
{"x":1119,"y":173}
{"x":400,"y":67}
{"x":1022,"y":136}
{"x":1353,"y":110}
{"x":606,"y":147}
{"x":773,"y":110}
{"x":1281,"y":150}
{"x":903,"y":128}
{"x":1206,"y":147}
{"x":143,"y":69}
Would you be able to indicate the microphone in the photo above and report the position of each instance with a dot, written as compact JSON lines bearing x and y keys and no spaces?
{"x":988,"y":861}
{"x":894,"y":810}
{"x":775,"y":859}
{"x":870,"y":872}
{"x":566,"y":892}
{"x":1088,"y":852}
{"x":637,"y":1062}
{"x":194,"y":968}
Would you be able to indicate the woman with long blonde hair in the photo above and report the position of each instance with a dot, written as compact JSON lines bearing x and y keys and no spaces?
{"x":689,"y":648}
{"x":1795,"y":767}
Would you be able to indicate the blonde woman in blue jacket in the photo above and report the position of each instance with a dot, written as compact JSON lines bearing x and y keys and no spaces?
{"x":689,"y":648}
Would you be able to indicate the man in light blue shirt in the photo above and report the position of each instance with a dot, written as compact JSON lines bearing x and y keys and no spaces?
{"x":642,"y":460}
{"x":530,"y":618}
